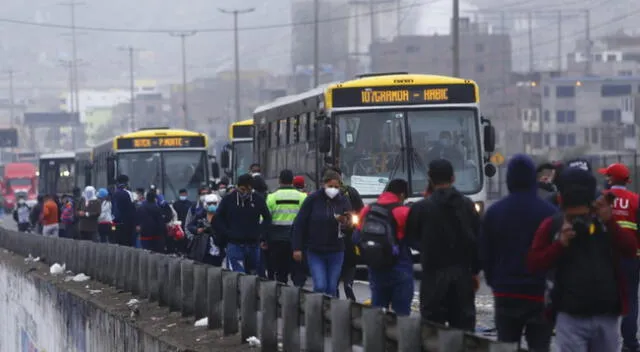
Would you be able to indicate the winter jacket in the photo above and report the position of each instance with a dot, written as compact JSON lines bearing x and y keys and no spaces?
{"x":89,"y":222}
{"x":152,"y":225}
{"x":507,"y":231}
{"x":238,"y":218}
{"x":182,"y":208}
{"x":316,"y":228}
{"x":21,"y":214}
{"x":201,"y":244}
{"x":123,"y":208}
{"x":400,"y":214}
{"x":446,"y":226}
{"x":50,"y":213}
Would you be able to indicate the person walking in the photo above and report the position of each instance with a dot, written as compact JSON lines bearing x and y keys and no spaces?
{"x":88,"y":214}
{"x":206,"y":246}
{"x":318,"y":230}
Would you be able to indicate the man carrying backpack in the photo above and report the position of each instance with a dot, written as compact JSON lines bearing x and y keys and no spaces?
{"x":385,"y":250}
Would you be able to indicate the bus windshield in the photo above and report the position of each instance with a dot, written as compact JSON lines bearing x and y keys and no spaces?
{"x":242,"y":157}
{"x":381,"y":145}
{"x":168,"y":171}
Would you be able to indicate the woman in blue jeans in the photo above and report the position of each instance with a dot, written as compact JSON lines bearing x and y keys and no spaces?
{"x":317,"y":229}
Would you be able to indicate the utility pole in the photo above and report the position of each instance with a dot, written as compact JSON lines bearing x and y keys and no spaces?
{"x":588,"y":67}
{"x":74,"y":52}
{"x":316,"y":43}
{"x":559,"y":40}
{"x":183,"y":38}
{"x":372,"y":21}
{"x":455,"y":34}
{"x":236,"y":58}
{"x":530,"y":32}
{"x":132,"y":86}
{"x":12,"y":101}
{"x":398,"y":18}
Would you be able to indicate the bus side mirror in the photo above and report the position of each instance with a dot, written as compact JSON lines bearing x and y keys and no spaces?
{"x":324,"y":138}
{"x":215,"y":170}
{"x":489,"y":138}
{"x":225,"y":159}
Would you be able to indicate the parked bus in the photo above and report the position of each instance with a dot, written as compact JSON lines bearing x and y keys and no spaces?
{"x":378,"y":127}
{"x":57,"y":173}
{"x":169,"y":159}
{"x":237,"y":155}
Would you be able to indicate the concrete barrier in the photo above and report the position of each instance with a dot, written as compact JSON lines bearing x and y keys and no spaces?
{"x":244,"y":305}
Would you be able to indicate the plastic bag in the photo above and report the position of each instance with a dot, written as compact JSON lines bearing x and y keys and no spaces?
{"x":175,"y":230}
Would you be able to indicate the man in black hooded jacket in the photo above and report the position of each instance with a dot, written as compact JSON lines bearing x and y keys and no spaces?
{"x":446,"y":225}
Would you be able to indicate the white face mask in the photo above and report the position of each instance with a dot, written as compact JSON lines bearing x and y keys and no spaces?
{"x":255,"y":174}
{"x":331,"y":192}
{"x":202,"y":199}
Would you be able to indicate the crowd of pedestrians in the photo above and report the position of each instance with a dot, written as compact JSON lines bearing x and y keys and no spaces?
{"x":559,"y":252}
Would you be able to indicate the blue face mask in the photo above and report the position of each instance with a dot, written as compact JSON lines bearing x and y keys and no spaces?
{"x":183,"y":197}
{"x":212,"y":208}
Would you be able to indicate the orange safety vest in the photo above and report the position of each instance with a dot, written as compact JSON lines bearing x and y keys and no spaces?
{"x":625,"y":209}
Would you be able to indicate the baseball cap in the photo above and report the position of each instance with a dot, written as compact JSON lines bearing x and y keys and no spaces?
{"x":616,"y":171}
{"x":298,"y":181}
{"x":579,"y":163}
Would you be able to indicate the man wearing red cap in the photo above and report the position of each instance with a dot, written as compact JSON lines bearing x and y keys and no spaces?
{"x":625,"y":212}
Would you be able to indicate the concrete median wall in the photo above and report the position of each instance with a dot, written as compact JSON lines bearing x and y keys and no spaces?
{"x":237,"y":306}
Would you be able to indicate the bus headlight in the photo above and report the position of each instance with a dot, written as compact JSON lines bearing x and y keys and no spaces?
{"x":479,"y":207}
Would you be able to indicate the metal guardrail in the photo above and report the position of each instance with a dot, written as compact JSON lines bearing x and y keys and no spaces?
{"x":231,"y":301}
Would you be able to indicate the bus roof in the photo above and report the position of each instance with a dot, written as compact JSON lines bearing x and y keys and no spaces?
{"x":160,"y":133}
{"x":61,"y":155}
{"x":292,"y":98}
{"x":247,"y":122}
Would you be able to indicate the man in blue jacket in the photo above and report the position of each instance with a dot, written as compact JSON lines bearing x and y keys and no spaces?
{"x":124,"y":211}
{"x":238,"y":222}
{"x":507,"y":231}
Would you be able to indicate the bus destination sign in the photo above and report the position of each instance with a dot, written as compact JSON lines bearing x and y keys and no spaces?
{"x":161,"y":142}
{"x":245,"y":131}
{"x":403,"y":95}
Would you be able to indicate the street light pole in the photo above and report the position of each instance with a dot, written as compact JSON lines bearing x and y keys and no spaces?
{"x":236,"y":59}
{"x":132,"y":87}
{"x":316,"y":43}
{"x":183,"y":38}
{"x":11,"y":97}
{"x":74,"y":52}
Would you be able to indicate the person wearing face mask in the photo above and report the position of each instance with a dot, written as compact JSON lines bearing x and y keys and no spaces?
{"x":21,"y":215}
{"x":318,"y":233}
{"x":196,"y":209}
{"x":579,"y":249}
{"x":445,"y":149}
{"x":238,"y":223}
{"x":206,"y":246}
{"x":150,"y":224}
{"x":259,"y":185}
{"x":124,"y":212}
{"x":182,"y":206}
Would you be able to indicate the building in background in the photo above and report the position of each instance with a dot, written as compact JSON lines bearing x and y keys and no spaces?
{"x":617,"y":54}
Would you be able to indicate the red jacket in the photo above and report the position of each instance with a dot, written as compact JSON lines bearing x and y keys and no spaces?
{"x":400,"y":213}
{"x":625,"y":210}
{"x":545,"y":253}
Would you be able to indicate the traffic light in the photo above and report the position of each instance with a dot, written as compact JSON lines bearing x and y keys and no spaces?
{"x":8,"y":138}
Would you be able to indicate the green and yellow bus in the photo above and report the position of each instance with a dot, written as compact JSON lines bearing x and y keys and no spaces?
{"x":170,"y":159}
{"x":237,"y":155}
{"x":377,"y":127}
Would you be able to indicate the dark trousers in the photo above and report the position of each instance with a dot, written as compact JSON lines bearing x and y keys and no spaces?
{"x":104,"y":233}
{"x":86,"y":235}
{"x":347,"y":276}
{"x":279,"y":261}
{"x":23,"y":226}
{"x":124,"y":235}
{"x":514,"y":316}
{"x":447,"y":296}
{"x":299,"y":272}
{"x":629,"y":326}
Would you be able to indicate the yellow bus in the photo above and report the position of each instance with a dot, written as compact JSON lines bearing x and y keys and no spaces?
{"x":237,"y":155}
{"x":170,"y":159}
{"x":378,"y":127}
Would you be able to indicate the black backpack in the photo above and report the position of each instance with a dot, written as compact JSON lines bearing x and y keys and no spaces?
{"x":378,"y":240}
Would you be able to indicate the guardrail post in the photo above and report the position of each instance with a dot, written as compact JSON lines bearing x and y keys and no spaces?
{"x":111,"y":270}
{"x":290,"y":318}
{"x":248,"y":306}
{"x":143,"y":273}
{"x":121,"y":264}
{"x":199,"y":291}
{"x":186,"y":287}
{"x":373,"y":334}
{"x":93,"y":259}
{"x":69,"y":249}
{"x":314,"y":322}
{"x":341,"y":325}
{"x":153,"y":268}
{"x":214,"y":297}
{"x":128,"y":261}
{"x":230,"y":302}
{"x":409,"y":334}
{"x":134,"y":266}
{"x":269,"y":309}
{"x":80,"y":258}
{"x":175,"y":295}
{"x":163,"y":276}
{"x":503,"y":347}
{"x":451,"y":340}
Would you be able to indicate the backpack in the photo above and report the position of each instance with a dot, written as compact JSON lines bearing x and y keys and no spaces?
{"x":378,"y":244}
{"x":67,"y":214}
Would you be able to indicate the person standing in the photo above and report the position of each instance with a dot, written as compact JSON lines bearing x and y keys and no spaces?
{"x":284,"y":205}
{"x":238,"y":222}
{"x":105,"y":220}
{"x":318,"y":230}
{"x":88,"y":213}
{"x":508,"y":229}
{"x":49,"y":217}
{"x":124,"y":213}
{"x":182,"y":206}
{"x":207,"y":247}
{"x":36,"y":213}
{"x":446,"y":226}
{"x":21,"y":215}
{"x":625,"y":213}
{"x":150,"y":224}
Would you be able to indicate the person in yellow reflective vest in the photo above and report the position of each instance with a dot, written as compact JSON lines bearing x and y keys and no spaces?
{"x":283,"y":204}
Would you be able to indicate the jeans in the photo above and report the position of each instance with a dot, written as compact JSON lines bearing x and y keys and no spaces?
{"x":514,"y":316}
{"x":243,"y":258}
{"x":325,"y":268}
{"x":629,"y":327}
{"x":587,"y":334}
{"x":279,"y":261}
{"x":50,"y":230}
{"x":392,"y":287}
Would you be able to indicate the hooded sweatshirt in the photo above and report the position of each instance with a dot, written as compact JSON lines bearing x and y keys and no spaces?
{"x":508,"y":230}
{"x":238,"y":218}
